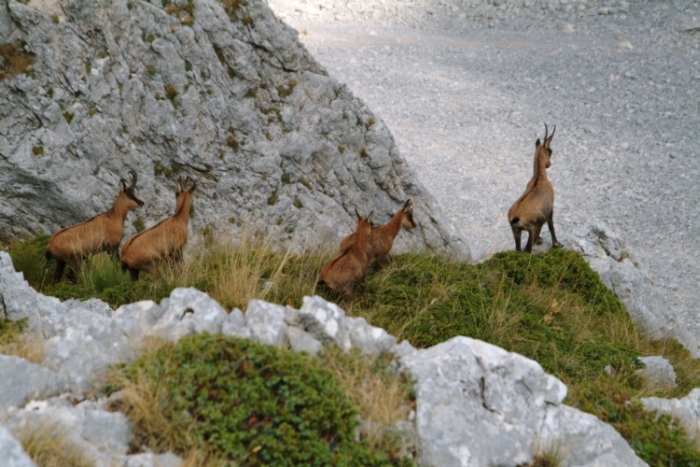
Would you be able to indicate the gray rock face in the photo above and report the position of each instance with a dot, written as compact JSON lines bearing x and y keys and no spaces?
{"x":274,"y":144}
{"x":686,"y":410}
{"x":658,"y":372}
{"x":479,"y":405}
{"x":12,"y":453}
{"x":607,"y":253}
{"x":585,"y":441}
{"x":22,"y":381}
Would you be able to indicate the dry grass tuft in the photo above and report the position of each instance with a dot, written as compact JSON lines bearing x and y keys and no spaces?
{"x":48,"y":447}
{"x":30,"y":348}
{"x":14,"y":60}
{"x":375,"y":391}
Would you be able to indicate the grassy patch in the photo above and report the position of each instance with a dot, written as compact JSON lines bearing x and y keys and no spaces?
{"x":48,"y":446}
{"x":552,"y":308}
{"x":237,"y":400}
{"x":14,"y":60}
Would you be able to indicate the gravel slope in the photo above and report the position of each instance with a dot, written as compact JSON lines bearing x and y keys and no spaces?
{"x":466,"y":86}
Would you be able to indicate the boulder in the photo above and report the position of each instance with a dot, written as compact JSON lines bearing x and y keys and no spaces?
{"x":188,"y":311}
{"x":13,"y":454}
{"x":686,"y":410}
{"x":21,"y":381}
{"x":231,"y":99}
{"x":658,"y":372}
{"x":607,"y":253}
{"x":325,"y":321}
{"x":266,"y":322}
{"x":301,"y":341}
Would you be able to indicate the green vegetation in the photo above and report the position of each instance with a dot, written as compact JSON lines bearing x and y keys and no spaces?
{"x":68,"y":116}
{"x":284,"y":91}
{"x":552,"y":308}
{"x":241,"y":401}
{"x":14,"y":60}
{"x":38,"y":150}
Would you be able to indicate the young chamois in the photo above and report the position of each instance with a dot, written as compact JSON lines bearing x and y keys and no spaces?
{"x":101,"y":233}
{"x":382,"y":238}
{"x":536,"y":205}
{"x":342,"y":271}
{"x":165,"y":240}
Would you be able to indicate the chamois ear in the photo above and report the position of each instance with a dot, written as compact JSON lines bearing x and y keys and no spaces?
{"x":359,"y":217}
{"x":537,"y":143}
{"x":179,"y":185}
{"x":369,"y":218}
{"x":193,"y":187}
{"x":408,"y":205}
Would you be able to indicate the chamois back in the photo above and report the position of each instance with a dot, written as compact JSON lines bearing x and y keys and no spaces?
{"x":165,"y":240}
{"x":350,"y":265}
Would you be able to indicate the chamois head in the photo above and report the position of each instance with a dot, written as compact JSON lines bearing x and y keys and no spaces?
{"x":364,"y":224}
{"x":407,"y":215}
{"x":127,"y":194}
{"x":542,"y":149}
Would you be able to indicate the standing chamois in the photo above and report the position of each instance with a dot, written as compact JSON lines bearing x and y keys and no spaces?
{"x":536,"y":205}
{"x":165,"y":240}
{"x":341,"y":272}
{"x":101,"y":233}
{"x":382,"y":238}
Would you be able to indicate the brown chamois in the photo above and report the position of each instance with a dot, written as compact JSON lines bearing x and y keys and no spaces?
{"x":382,"y":238}
{"x":536,"y":205}
{"x":165,"y":240}
{"x":342,"y":271}
{"x":101,"y":233}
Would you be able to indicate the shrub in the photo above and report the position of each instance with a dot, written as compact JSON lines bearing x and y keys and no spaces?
{"x":251,"y":403}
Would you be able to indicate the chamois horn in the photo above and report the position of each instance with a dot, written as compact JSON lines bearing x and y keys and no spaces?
{"x":134,"y":177}
{"x":546,"y":131}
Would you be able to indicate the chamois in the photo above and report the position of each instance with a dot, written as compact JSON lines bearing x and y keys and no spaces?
{"x":536,"y":205}
{"x":382,"y":238}
{"x":165,"y":240}
{"x":350,"y":265}
{"x":101,"y":233}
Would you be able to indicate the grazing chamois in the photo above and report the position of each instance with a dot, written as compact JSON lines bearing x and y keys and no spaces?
{"x":342,"y":271}
{"x":165,"y":240}
{"x":536,"y":205}
{"x":101,"y":233}
{"x":382,"y":238}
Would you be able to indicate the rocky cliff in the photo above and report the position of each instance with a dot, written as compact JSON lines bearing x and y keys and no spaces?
{"x":219,"y":91}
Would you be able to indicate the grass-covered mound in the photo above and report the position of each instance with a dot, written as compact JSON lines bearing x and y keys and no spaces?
{"x":239,"y":401}
{"x":552,"y":308}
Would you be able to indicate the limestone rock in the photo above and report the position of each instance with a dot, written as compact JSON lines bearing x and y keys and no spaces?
{"x":235,"y":101}
{"x":266,"y":322}
{"x":13,"y":454}
{"x":686,"y":410}
{"x":325,"y":321}
{"x":301,"y":341}
{"x":658,"y":372}
{"x":478,"y":404}
{"x":188,"y":311}
{"x":608,"y":255}
{"x":369,"y":339}
{"x":21,"y":381}
{"x":584,"y":440}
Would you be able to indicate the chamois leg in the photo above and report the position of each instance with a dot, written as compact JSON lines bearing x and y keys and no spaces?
{"x":58,"y":272}
{"x":550,"y":224}
{"x":384,"y":260}
{"x":347,"y":292}
{"x":517,"y":233}
{"x":134,"y":273}
{"x":531,"y":239}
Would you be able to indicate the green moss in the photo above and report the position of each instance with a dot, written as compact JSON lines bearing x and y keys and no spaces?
{"x":171,"y":93}
{"x":284,"y":91}
{"x":255,"y":405}
{"x":369,"y":123}
{"x":160,"y":169}
{"x":149,"y":38}
{"x":248,"y":21}
{"x":49,"y":91}
{"x":298,"y":204}
{"x":341,"y":149}
{"x":88,"y":67}
{"x":286,"y":179}
{"x":188,"y":66}
{"x":272,"y":200}
{"x":152,"y":70}
{"x":11,"y":330}
{"x":192,"y":210}
{"x":364,"y":153}
{"x":55,"y":19}
{"x":68,"y":116}
{"x":231,"y":220}
{"x":130,"y":5}
{"x":138,"y":224}
{"x":250,"y":94}
{"x":233,"y":143}
{"x":38,"y":150}
{"x":91,"y":111}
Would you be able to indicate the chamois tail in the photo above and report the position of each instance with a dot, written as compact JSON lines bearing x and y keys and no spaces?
{"x":514,"y":221}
